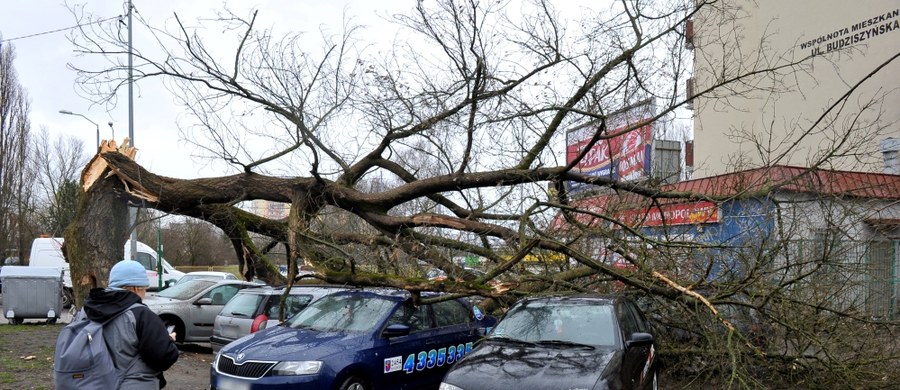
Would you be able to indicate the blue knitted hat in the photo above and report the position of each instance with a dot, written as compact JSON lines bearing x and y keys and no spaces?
{"x":128,"y":273}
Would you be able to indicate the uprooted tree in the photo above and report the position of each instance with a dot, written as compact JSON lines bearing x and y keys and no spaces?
{"x":451,"y":144}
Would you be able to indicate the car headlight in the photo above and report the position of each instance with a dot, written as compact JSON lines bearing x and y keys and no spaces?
{"x":447,"y":386}
{"x":297,"y":368}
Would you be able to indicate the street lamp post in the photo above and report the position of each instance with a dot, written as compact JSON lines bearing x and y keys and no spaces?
{"x":67,"y":112}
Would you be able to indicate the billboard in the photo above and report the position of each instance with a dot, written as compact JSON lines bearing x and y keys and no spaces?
{"x":623,"y":155}
{"x":672,"y":214}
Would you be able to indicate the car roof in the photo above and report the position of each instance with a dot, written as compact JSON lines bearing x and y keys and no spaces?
{"x":301,"y":288}
{"x":391,"y":293}
{"x":597,"y":298}
{"x":209,"y":273}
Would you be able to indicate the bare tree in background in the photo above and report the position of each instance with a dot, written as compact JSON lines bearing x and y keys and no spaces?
{"x":450,"y":143}
{"x":56,"y":163}
{"x":15,"y":197}
{"x":193,"y":242}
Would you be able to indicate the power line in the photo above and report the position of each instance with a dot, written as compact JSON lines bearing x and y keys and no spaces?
{"x":59,"y":30}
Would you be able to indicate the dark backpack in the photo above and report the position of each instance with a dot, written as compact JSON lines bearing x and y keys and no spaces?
{"x":82,"y":360}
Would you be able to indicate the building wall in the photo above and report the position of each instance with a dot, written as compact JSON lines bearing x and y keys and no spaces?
{"x":777,"y":110}
{"x":272,"y":210}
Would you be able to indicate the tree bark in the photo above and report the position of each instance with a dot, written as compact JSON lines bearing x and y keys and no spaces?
{"x":95,"y":241}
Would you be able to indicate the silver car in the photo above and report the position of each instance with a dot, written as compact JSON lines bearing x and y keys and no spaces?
{"x":192,"y":306}
{"x":258,"y":308}
{"x":211,"y":275}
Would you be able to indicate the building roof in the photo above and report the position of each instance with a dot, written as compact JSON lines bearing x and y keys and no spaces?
{"x":638,"y":210}
{"x":794,"y":179}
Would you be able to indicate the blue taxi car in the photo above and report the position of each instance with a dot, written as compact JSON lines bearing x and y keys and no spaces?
{"x":357,"y":339}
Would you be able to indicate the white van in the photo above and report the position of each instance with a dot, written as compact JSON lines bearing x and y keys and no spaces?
{"x":47,"y":252}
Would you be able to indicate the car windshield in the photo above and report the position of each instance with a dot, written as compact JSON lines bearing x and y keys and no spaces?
{"x":242,"y":305}
{"x":343,"y":313}
{"x":187,"y":289}
{"x":186,"y":278}
{"x":575,"y":322}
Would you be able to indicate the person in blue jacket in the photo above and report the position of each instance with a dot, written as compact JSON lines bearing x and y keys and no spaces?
{"x":138,"y":339}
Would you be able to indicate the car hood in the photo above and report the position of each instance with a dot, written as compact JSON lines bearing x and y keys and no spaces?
{"x":497,"y":365}
{"x":283,"y":343}
{"x":155,"y":300}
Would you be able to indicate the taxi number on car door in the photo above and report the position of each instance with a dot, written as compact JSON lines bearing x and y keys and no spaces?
{"x":430,"y":359}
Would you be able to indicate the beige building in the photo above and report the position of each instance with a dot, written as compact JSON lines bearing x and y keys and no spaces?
{"x":268,"y":209}
{"x":823,"y":50}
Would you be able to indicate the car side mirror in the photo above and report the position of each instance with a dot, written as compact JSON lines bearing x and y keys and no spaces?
{"x":638,"y":339}
{"x":203,"y":301}
{"x":395,"y":330}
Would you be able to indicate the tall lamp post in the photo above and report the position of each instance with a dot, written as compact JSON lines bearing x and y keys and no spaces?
{"x":67,"y":112}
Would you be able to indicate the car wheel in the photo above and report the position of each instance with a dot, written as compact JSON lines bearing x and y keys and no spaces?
{"x":354,"y":383}
{"x":68,"y":298}
{"x":16,"y":321}
{"x":178,"y":326}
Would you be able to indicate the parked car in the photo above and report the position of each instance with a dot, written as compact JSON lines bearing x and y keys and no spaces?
{"x":192,"y":306}
{"x":211,"y":275}
{"x":573,"y":342}
{"x":356,"y":339}
{"x":255,"y":309}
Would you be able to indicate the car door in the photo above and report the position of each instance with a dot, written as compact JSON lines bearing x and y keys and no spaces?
{"x":407,"y":360}
{"x":454,"y":335}
{"x":634,"y":357}
{"x":646,"y":363}
{"x":203,"y":316}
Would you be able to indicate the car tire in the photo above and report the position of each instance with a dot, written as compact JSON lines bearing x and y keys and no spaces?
{"x":16,"y":321}
{"x":179,"y":328}
{"x":354,"y":383}
{"x":68,"y":298}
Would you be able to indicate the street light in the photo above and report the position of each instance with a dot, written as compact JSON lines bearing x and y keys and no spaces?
{"x":67,"y":112}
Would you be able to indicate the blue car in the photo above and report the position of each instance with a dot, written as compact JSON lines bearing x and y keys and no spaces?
{"x":357,"y":339}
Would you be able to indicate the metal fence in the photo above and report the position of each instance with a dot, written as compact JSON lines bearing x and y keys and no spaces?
{"x":881,"y":279}
{"x":861,"y":277}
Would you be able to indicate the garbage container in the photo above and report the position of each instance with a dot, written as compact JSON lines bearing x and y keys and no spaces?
{"x":31,"y":292}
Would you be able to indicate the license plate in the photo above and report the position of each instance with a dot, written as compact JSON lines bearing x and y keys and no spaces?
{"x":231,"y":384}
{"x":230,"y":331}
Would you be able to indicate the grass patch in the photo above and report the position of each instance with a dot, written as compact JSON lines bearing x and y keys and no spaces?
{"x":15,"y":366}
{"x":17,"y":344}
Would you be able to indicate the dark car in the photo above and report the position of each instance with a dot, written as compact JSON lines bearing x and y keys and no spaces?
{"x":573,"y":342}
{"x":356,"y":339}
{"x":255,"y":309}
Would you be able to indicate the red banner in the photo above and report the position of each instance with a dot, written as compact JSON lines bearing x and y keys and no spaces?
{"x":668,"y":215}
{"x":671,"y":214}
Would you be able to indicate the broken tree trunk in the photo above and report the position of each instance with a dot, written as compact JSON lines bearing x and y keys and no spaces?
{"x":96,"y":238}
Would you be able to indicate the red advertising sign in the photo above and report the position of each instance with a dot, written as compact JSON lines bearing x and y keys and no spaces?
{"x":671,"y":214}
{"x":668,"y":215}
{"x":622,"y":156}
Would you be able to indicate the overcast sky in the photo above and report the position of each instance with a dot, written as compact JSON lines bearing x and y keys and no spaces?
{"x":41,"y":65}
